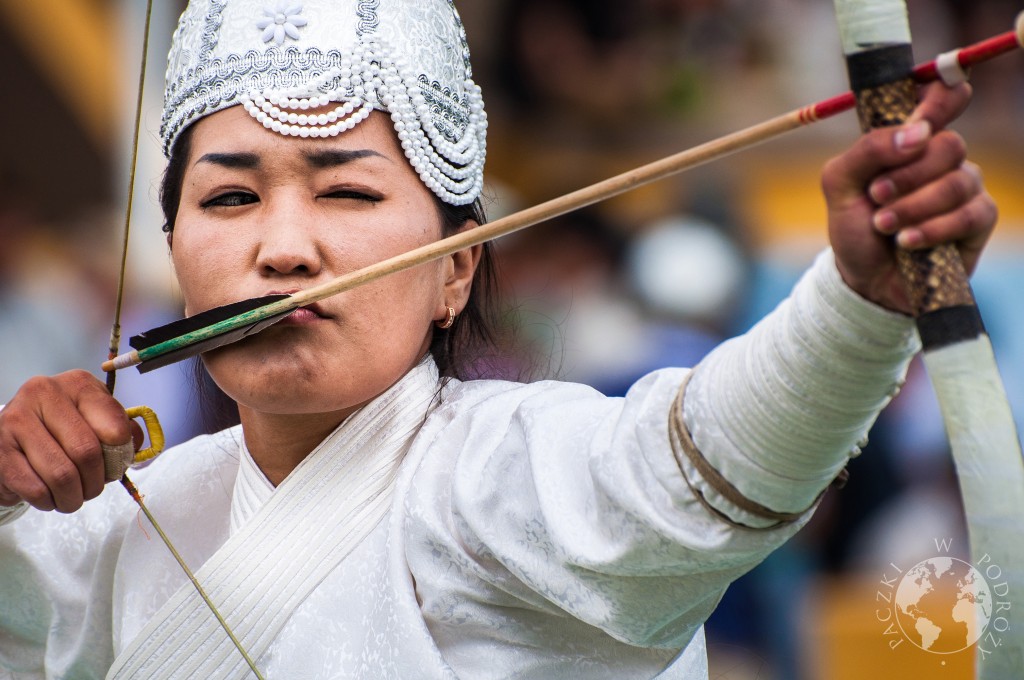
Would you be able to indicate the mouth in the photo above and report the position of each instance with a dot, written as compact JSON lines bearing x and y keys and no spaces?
{"x":303,"y":315}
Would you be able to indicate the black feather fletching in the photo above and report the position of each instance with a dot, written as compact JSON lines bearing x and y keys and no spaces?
{"x":210,"y":317}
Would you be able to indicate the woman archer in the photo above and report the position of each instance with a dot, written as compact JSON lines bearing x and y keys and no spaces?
{"x":374,"y":515}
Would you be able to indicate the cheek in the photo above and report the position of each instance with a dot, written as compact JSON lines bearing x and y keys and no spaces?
{"x":393,"y":317}
{"x":203,"y":266}
{"x":402,"y":304}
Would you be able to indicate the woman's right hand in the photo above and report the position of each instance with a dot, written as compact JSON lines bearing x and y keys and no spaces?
{"x":51,"y":441}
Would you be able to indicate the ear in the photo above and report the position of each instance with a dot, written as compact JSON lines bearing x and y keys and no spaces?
{"x":459,"y":269}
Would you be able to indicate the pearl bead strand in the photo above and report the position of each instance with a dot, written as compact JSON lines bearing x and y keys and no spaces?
{"x":369,"y":80}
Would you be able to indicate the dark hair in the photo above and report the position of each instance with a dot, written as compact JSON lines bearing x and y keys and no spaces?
{"x":461,"y":351}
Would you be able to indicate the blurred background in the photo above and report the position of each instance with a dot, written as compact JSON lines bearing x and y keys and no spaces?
{"x":577,"y":90}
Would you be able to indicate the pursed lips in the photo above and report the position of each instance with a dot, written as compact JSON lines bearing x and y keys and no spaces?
{"x":305,"y":313}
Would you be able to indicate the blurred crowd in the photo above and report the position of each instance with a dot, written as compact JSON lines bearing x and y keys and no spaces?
{"x":579,"y":90}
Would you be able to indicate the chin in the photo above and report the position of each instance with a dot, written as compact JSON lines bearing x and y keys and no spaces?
{"x":301,"y":380}
{"x":292,"y":399}
{"x":271,"y":386}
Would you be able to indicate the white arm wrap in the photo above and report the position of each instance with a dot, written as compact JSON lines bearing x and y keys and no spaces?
{"x":779,"y":411}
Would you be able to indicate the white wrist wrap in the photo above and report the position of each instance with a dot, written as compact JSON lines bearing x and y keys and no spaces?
{"x":779,"y":411}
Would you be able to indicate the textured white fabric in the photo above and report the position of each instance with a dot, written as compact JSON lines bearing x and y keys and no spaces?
{"x":12,"y":513}
{"x":252,"y":490}
{"x":318,"y":514}
{"x":781,"y":411}
{"x":536,"y":531}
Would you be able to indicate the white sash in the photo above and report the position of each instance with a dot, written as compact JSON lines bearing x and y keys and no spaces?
{"x":318,"y":514}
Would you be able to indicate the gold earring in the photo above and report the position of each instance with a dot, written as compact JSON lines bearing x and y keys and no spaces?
{"x":449,"y":321}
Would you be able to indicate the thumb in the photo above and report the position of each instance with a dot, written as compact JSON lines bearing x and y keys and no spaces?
{"x":118,"y":458}
{"x":941,"y":105}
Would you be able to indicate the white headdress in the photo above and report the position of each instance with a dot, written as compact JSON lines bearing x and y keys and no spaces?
{"x":280,"y":58}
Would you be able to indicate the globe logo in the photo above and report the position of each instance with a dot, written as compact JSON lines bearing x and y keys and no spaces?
{"x":943,"y":605}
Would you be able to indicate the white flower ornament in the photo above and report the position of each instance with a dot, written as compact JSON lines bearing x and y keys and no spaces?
{"x":280,"y":21}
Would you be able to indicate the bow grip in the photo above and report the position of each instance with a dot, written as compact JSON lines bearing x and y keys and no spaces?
{"x":935,"y":278}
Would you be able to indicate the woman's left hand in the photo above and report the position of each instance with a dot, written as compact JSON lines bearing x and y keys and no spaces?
{"x":909,"y":186}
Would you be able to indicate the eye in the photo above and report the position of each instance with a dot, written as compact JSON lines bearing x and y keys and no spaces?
{"x":355,"y":194}
{"x":231,"y":199}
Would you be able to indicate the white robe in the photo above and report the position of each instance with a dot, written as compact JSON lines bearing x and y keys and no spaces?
{"x":534,"y":531}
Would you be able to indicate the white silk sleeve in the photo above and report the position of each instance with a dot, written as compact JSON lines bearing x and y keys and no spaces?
{"x":8,"y":515}
{"x":779,"y":411}
{"x":538,"y":500}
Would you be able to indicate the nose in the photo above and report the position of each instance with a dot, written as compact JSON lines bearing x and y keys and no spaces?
{"x":288,"y":244}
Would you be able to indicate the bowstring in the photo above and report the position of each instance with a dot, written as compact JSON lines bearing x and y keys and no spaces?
{"x":115,"y":340}
{"x":115,"y":330}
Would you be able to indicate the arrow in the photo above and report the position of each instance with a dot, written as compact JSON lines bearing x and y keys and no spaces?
{"x":230,"y":323}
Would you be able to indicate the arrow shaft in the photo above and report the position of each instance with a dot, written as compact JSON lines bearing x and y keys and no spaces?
{"x":660,"y":169}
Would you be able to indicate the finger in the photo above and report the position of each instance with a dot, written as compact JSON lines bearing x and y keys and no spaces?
{"x":79,"y":446}
{"x":138,"y":435}
{"x":845,"y":176}
{"x":50,"y":460}
{"x":970,"y":227}
{"x":105,"y":416}
{"x":8,"y":498}
{"x":940,"y":104}
{"x":108,"y":423}
{"x":42,"y":474}
{"x":44,"y":437}
{"x":107,"y":419}
{"x":944,"y":153}
{"x":984,"y":213}
{"x":947,"y":194}
{"x":20,"y":482}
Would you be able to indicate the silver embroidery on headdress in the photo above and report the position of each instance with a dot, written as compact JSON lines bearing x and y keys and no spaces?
{"x":281,"y":58}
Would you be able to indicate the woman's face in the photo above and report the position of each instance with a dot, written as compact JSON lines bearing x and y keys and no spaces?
{"x":261,"y":213}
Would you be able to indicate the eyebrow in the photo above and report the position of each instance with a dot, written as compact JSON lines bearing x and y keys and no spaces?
{"x":320,"y":159}
{"x":246,"y":161}
{"x":329,"y":158}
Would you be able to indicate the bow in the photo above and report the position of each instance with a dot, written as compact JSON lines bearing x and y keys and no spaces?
{"x":957,"y":351}
{"x":152,"y":425}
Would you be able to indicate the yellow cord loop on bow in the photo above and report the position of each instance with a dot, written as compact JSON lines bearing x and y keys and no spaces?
{"x":153,"y":430}
{"x":117,"y":459}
